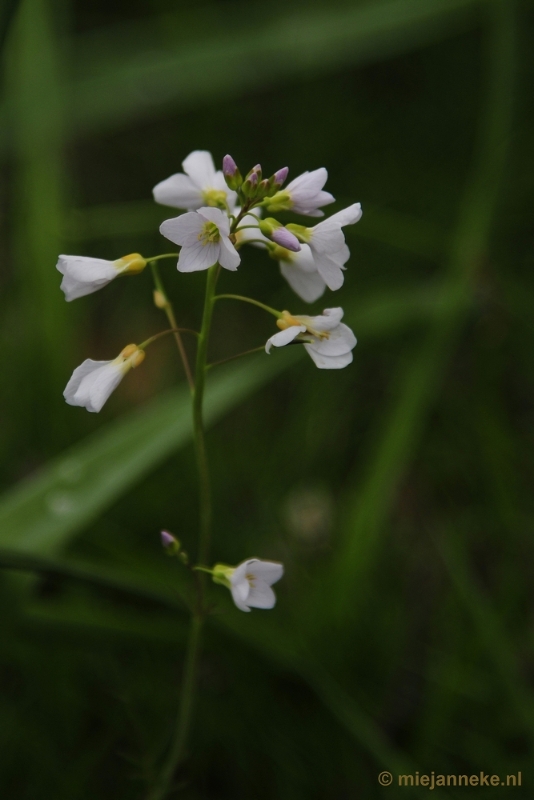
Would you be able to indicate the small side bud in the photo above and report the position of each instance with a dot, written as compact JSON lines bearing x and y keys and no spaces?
{"x":286,"y":239}
{"x":279,"y":177}
{"x":275,"y":231}
{"x":231,"y":173}
{"x":170,"y":543}
{"x":250,"y":185}
{"x":160,"y":301}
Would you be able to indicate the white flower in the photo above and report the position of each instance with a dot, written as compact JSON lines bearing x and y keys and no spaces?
{"x":250,"y":582}
{"x":204,"y":237}
{"x":93,"y":381}
{"x":83,"y":275}
{"x":327,"y":243}
{"x":201,"y":186}
{"x":303,"y":195}
{"x":328,"y":341}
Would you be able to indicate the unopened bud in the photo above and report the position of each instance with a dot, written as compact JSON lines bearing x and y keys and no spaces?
{"x":280,"y":176}
{"x":160,"y":301}
{"x":170,"y":543}
{"x":250,"y":185}
{"x":231,"y":173}
{"x":286,"y":239}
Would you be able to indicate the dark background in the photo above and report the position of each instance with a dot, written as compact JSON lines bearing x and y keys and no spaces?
{"x":398,"y":492}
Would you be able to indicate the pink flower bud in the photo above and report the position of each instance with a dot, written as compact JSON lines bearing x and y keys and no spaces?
{"x":229,"y":166}
{"x":286,"y":239}
{"x":280,"y":176}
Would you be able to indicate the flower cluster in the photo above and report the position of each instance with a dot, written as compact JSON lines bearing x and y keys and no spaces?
{"x":223,"y":212}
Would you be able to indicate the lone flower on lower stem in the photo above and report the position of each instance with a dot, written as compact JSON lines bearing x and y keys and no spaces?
{"x":205,"y":239}
{"x":93,"y":381}
{"x":328,"y":341}
{"x":250,"y":582}
{"x":84,"y":275}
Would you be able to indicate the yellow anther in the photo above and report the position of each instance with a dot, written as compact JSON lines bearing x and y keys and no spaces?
{"x":215,"y":198}
{"x":287,"y":321}
{"x":128,"y":351}
{"x":209,"y":234}
{"x":132,"y":354}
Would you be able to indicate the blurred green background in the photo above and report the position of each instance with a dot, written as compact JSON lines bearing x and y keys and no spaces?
{"x":397,"y":492}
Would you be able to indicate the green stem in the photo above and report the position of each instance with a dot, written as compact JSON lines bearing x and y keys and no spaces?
{"x":270,"y":310}
{"x":163,"y":255}
{"x":169,"y":311}
{"x":187,"y":696}
{"x":238,"y":355}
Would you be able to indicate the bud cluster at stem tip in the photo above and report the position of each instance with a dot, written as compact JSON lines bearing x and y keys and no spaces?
{"x":253,"y":188}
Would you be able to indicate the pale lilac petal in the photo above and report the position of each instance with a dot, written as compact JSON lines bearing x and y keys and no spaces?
{"x":83,"y":275}
{"x":78,"y":375}
{"x":284,"y":337}
{"x":329,"y":362}
{"x":327,"y":321}
{"x":240,"y":592}
{"x":261,"y":596}
{"x":309,"y":286}
{"x":347,"y":216}
{"x":229,"y":258}
{"x":183,"y":230}
{"x":341,"y":341}
{"x":198,"y":257}
{"x":98,"y":386}
{"x":330,"y":272}
{"x":200,"y":168}
{"x":178,"y":191}
{"x":327,"y":238}
{"x":216,"y":216}
{"x":268,"y":571}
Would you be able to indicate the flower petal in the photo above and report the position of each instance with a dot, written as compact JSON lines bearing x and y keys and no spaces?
{"x":178,"y":191}
{"x":308,"y":285}
{"x":340,"y":341}
{"x":329,"y":362}
{"x":268,"y":571}
{"x":183,"y":230}
{"x":217,"y":216}
{"x":240,"y":592}
{"x":330,"y":272}
{"x":200,"y":168}
{"x":284,"y":337}
{"x":198,"y":257}
{"x":229,"y":258}
{"x":261,"y":596}
{"x":83,"y":275}
{"x":78,"y":375}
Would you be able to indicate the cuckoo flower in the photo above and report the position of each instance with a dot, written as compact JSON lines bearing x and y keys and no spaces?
{"x":201,"y":185}
{"x":328,"y":341}
{"x":93,"y":381}
{"x":83,"y":275}
{"x":205,"y":239}
{"x":327,"y":243}
{"x":303,"y":195}
{"x":250,"y":582}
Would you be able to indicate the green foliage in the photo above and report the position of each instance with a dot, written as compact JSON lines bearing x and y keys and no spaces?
{"x":395,"y":492}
